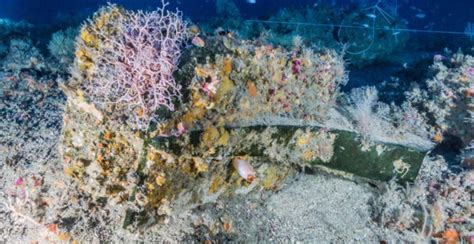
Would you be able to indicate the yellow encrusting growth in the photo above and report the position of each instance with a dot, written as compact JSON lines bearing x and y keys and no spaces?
{"x":200,"y":165}
{"x":89,"y":38}
{"x":89,"y":43}
{"x":160,"y":179}
{"x":227,"y":66}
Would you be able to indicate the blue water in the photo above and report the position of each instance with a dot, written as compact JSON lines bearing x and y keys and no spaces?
{"x":439,"y":14}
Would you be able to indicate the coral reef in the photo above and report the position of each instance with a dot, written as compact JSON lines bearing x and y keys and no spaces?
{"x":109,"y":160}
{"x":259,"y":145}
{"x":187,"y":161}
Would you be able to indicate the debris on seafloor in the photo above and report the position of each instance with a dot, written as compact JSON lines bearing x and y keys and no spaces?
{"x":217,"y":145}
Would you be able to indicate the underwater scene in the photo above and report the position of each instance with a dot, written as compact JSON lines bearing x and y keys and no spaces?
{"x":241,"y":121}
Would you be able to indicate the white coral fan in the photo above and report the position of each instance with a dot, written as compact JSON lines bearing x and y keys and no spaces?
{"x":377,"y":121}
{"x":62,"y":44}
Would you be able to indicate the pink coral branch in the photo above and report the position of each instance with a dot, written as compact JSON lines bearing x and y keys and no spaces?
{"x":135,"y":67}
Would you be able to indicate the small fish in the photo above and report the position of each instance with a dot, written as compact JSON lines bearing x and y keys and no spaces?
{"x":396,"y":33}
{"x":366,"y":25}
{"x":372,"y":16}
{"x":420,"y":15}
{"x":252,"y":1}
{"x":439,"y":57}
{"x":198,"y":41}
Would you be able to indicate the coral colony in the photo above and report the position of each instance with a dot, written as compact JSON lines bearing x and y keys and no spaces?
{"x":169,"y":133}
{"x":127,"y":61}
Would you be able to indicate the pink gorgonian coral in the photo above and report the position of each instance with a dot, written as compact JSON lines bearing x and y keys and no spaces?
{"x":127,"y":60}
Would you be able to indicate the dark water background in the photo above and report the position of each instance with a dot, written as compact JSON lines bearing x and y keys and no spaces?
{"x":440,"y":14}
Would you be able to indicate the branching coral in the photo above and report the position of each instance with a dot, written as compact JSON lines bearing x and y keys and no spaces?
{"x":377,"y":121}
{"x":61,"y":45}
{"x":371,"y":116}
{"x":126,"y":60}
